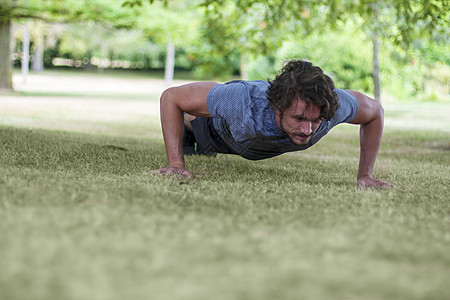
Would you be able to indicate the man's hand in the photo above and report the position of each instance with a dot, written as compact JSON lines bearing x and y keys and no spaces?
{"x":173,"y":171}
{"x":369,"y":182}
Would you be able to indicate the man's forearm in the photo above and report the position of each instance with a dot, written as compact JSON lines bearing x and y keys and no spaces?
{"x":189,"y":98}
{"x":173,"y":129}
{"x":370,"y":140}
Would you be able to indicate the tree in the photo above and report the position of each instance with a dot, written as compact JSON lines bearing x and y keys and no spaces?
{"x":400,"y":21}
{"x":231,"y":25}
{"x":243,"y":27}
{"x":38,"y":51}
{"x":108,"y":11}
{"x":5,"y":55}
{"x":172,"y":24}
{"x":251,"y":28}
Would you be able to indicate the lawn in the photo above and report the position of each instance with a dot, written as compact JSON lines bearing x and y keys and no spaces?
{"x":81,"y":218}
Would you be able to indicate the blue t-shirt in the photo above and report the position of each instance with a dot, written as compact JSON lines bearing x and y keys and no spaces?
{"x":245,"y":120}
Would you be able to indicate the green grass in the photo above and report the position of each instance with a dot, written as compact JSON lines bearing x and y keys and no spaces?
{"x":81,"y":218}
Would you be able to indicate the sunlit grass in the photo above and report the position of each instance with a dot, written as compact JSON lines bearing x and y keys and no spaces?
{"x":123,"y":117}
{"x":117,"y":84}
{"x":81,"y":218}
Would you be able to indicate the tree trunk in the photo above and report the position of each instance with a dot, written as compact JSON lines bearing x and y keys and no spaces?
{"x":170,"y":63}
{"x":38,"y":53}
{"x":244,"y":72}
{"x":376,"y":50}
{"x":38,"y":60}
{"x":26,"y":51}
{"x":5,"y":55}
{"x":376,"y":69}
{"x":102,"y":63}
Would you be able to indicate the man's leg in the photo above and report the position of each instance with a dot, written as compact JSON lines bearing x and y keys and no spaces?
{"x":190,"y":145}
{"x":187,"y":121}
{"x":188,"y":136}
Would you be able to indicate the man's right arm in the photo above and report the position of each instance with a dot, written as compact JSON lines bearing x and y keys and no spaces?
{"x":189,"y":98}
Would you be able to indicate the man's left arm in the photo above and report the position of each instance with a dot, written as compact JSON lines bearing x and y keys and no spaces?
{"x":370,"y":116}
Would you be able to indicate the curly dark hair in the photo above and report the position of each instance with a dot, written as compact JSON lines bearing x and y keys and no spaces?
{"x":301,"y":79}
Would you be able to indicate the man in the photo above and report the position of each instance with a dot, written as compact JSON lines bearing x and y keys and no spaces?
{"x":259,"y":119}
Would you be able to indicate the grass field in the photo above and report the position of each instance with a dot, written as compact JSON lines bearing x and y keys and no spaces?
{"x":81,"y":218}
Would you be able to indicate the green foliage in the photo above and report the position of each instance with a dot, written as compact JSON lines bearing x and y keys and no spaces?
{"x":72,"y":47}
{"x":348,"y":62}
{"x":416,"y":81}
{"x":210,"y":65}
{"x":263,"y":68}
{"x":211,"y":36}
{"x":419,"y":74}
{"x":109,"y":11}
{"x":134,"y":3}
{"x":399,"y":22}
{"x":247,"y":28}
{"x":436,"y":50}
{"x":84,"y":41}
{"x":177,"y":23}
{"x":403,"y":21}
{"x":423,"y":75}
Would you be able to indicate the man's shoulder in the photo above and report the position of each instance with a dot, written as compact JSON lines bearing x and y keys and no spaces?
{"x":257,"y":91}
{"x":348,"y":107}
{"x":344,"y":95}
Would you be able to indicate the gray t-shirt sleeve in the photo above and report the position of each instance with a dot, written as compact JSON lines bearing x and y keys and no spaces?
{"x":348,"y":107}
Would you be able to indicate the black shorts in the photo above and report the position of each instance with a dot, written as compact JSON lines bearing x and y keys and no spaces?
{"x":207,"y":137}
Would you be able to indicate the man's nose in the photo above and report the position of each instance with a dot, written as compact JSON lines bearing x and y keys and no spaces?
{"x":306,"y":128}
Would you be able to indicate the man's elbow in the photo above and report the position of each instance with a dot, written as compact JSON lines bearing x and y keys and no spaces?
{"x":373,"y":109}
{"x":167,"y":96}
{"x":169,"y":99}
{"x":379,"y":111}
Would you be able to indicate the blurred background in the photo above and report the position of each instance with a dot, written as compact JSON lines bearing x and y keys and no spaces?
{"x":393,"y":50}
